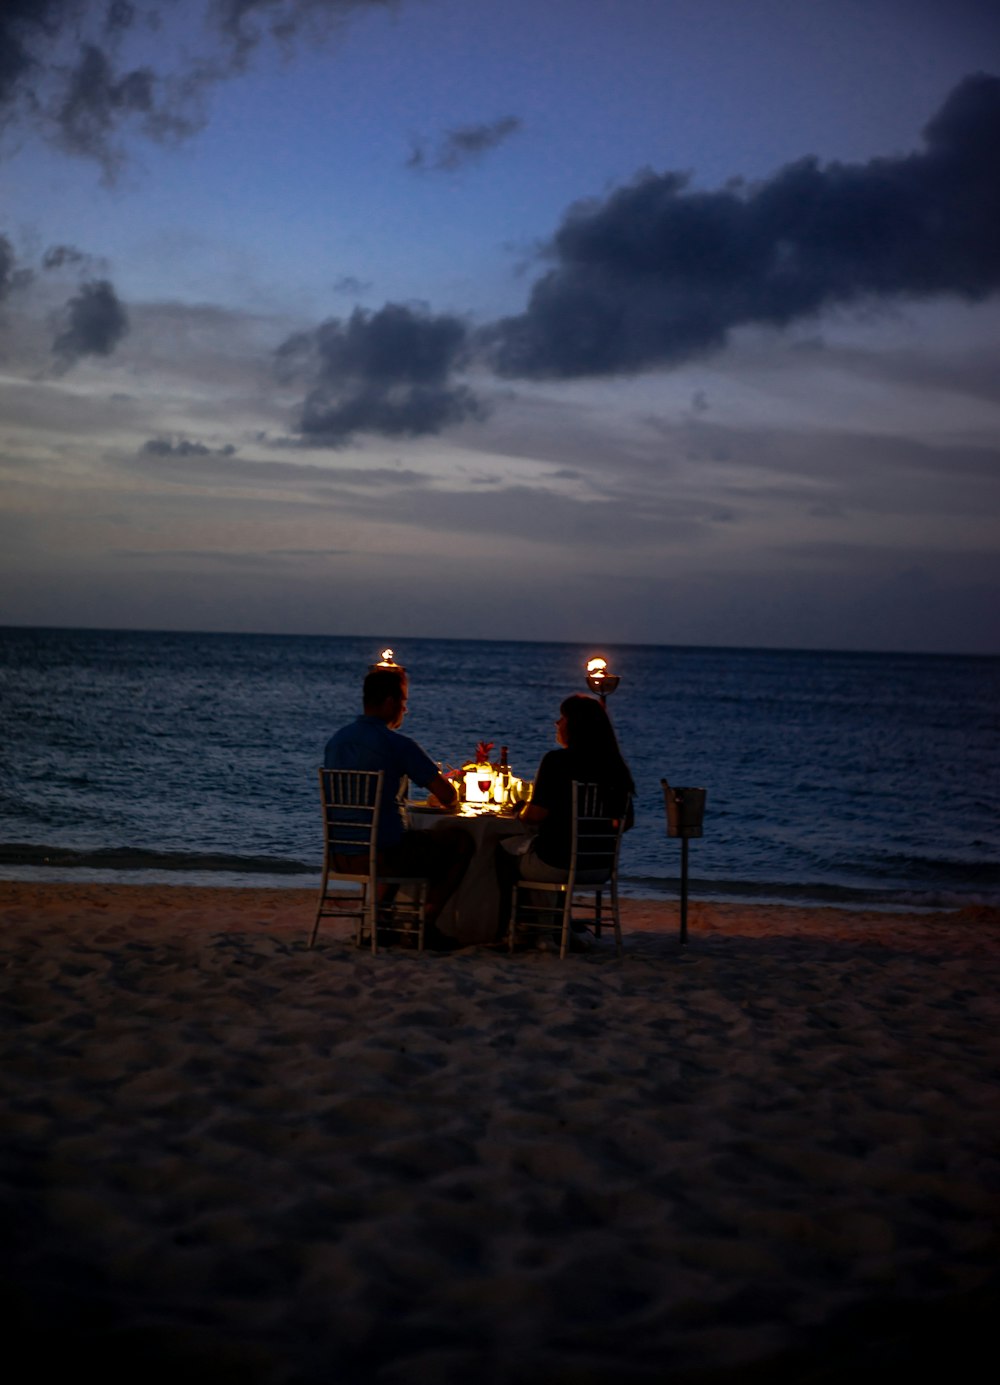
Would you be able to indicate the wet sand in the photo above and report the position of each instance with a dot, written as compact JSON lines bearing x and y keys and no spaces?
{"x":775,"y":1157}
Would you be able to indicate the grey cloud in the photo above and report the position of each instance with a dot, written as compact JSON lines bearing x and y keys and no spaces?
{"x":350,"y":285}
{"x":252,"y":559}
{"x":659,"y":273}
{"x":220,"y":466}
{"x":96,"y":322}
{"x":59,"y":255}
{"x":7,"y":262}
{"x":462,"y":145}
{"x":97,"y":99}
{"x":63,"y":63}
{"x":534,"y":513}
{"x":247,"y":23}
{"x":974,"y":371}
{"x":163,"y":447}
{"x":388,"y":372}
{"x":61,"y":68}
{"x":11,"y":277}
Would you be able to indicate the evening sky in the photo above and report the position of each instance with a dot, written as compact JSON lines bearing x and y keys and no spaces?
{"x":670,"y":321}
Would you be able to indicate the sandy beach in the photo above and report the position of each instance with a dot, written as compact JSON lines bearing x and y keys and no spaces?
{"x":775,"y":1157}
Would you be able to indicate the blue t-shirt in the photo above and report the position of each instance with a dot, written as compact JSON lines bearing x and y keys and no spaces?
{"x":368,"y":743}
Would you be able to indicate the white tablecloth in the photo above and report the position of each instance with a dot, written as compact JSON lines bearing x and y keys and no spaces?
{"x":472,"y":913}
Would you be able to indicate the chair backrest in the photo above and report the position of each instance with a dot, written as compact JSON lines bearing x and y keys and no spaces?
{"x":351,"y":799}
{"x":597,"y":834}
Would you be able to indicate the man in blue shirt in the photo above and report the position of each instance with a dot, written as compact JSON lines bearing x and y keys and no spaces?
{"x":373,"y":742}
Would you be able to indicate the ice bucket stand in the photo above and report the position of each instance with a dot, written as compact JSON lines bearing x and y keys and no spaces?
{"x":685,"y":815}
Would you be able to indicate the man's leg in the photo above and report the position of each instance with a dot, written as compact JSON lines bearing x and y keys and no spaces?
{"x":442,"y":856}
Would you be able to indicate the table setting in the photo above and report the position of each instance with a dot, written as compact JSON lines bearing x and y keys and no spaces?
{"x":490,"y":797}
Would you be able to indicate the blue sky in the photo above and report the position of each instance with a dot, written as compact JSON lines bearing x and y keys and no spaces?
{"x":577,"y":398}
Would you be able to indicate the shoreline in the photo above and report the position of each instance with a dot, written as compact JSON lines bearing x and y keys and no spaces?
{"x":772,"y":1157}
{"x":641,"y":889}
{"x":279,"y":902}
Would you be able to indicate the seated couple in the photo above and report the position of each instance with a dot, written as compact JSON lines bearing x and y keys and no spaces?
{"x":588,"y":752}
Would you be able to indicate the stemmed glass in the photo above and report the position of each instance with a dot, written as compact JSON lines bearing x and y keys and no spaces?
{"x":485,"y":782}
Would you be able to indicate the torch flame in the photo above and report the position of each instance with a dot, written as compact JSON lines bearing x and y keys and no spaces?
{"x":597,"y":665}
{"x":386,"y":656}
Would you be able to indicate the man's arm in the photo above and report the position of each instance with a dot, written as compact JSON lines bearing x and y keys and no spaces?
{"x":445,"y":792}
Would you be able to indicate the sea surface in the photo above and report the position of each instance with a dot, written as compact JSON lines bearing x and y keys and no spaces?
{"x":847,"y":779}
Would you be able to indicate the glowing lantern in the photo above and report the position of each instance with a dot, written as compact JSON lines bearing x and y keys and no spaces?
{"x":474,"y":778}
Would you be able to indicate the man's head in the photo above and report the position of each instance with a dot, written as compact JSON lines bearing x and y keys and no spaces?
{"x":384,"y":696}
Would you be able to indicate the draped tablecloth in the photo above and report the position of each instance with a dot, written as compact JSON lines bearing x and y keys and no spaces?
{"x":472,"y":914}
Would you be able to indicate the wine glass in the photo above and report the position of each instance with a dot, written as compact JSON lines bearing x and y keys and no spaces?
{"x":485,"y":781}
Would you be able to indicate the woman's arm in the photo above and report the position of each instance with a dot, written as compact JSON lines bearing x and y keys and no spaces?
{"x":534,"y":811}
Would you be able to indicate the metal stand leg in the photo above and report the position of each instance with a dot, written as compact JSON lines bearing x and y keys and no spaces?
{"x":684,"y":891}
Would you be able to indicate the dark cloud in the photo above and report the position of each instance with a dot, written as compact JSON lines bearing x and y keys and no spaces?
{"x":388,"y":372}
{"x":7,"y":262}
{"x":658,"y":273}
{"x":95,"y":323}
{"x":59,"y":255}
{"x":247,"y":23}
{"x":61,"y":67}
{"x":11,"y":277}
{"x":164,"y":447}
{"x":350,"y":285}
{"x":97,"y":99}
{"x":65,"y":64}
{"x":462,"y":145}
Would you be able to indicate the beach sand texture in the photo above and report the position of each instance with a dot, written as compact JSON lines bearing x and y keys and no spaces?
{"x":228,"y":1158}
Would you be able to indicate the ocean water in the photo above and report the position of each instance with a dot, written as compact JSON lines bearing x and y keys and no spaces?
{"x":852,"y":779}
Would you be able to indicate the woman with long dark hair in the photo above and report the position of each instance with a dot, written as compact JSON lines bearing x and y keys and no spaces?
{"x":588,"y":754}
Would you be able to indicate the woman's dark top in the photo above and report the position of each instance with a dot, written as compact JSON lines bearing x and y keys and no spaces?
{"x":554,"y":791}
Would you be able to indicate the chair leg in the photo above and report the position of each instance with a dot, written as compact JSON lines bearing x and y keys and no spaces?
{"x":319,"y":906}
{"x":364,"y":916}
{"x":615,"y":918}
{"x":387,"y":908}
{"x":567,"y":919}
{"x":422,"y":914}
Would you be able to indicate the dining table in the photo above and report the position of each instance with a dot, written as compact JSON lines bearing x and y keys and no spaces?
{"x":472,"y":914}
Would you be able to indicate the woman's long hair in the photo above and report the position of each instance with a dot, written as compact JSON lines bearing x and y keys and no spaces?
{"x":589,"y":733}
